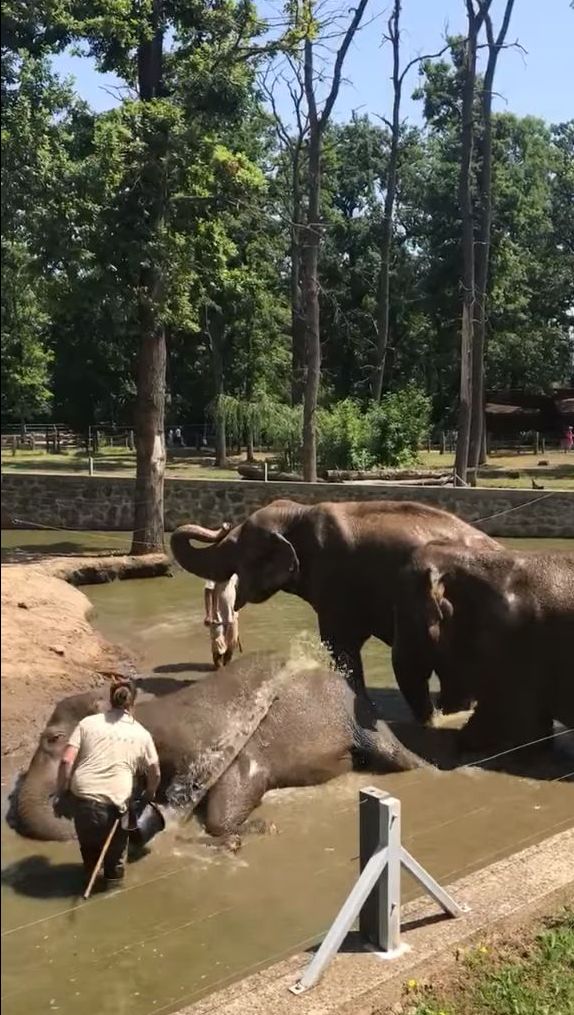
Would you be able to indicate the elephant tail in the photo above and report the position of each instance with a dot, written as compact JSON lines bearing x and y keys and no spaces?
{"x":385,"y":751}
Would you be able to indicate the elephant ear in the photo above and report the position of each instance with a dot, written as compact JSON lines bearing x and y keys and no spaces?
{"x":281,"y":559}
{"x":438,"y":608}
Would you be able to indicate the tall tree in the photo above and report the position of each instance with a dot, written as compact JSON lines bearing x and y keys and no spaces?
{"x":394,"y":124}
{"x":311,"y":232}
{"x":474,"y":20}
{"x":292,"y":152}
{"x":477,"y":446}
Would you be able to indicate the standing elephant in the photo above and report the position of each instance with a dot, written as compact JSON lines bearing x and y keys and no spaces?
{"x":343,"y":559}
{"x":214,"y":744}
{"x":497,"y":627}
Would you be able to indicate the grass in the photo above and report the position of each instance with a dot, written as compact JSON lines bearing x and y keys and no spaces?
{"x":557,"y":475}
{"x":110,"y":462}
{"x":532,"y":974}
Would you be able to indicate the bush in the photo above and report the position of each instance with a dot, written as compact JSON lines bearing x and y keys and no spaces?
{"x":398,"y":426}
{"x":348,"y":437}
{"x":343,"y":437}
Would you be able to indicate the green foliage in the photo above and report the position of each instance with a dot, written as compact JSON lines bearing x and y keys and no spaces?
{"x":343,"y":437}
{"x":194,"y":187}
{"x":398,"y":426}
{"x":523,"y":980}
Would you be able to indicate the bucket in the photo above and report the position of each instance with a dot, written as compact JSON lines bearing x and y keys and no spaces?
{"x":149,"y":822}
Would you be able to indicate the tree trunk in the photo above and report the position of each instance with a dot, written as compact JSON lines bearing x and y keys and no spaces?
{"x":465,"y":201}
{"x":387,"y":226}
{"x":476,"y":450}
{"x":149,"y":428}
{"x":250,"y":452}
{"x":297,"y":322}
{"x":310,"y":265}
{"x":151,"y":376}
{"x":215,"y":330}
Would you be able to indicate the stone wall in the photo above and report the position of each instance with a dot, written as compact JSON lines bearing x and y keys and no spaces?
{"x":83,"y":502}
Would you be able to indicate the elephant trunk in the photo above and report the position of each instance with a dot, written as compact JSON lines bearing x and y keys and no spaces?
{"x":217,"y":563}
{"x":34,"y":816}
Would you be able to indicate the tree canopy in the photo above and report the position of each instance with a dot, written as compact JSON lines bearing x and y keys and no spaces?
{"x":81,"y":223}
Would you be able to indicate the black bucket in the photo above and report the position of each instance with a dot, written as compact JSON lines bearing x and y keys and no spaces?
{"x":149,"y":822}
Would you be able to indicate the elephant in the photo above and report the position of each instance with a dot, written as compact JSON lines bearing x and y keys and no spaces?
{"x":497,"y":627}
{"x":310,"y":729}
{"x":341,"y":558}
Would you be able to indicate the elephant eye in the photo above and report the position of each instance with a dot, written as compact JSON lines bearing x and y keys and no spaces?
{"x":53,"y":738}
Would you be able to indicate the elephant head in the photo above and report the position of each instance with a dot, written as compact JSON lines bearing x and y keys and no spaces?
{"x":260,"y":552}
{"x":427,"y":634}
{"x":31,"y":809}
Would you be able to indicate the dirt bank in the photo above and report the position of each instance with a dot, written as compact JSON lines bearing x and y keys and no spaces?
{"x":49,"y":647}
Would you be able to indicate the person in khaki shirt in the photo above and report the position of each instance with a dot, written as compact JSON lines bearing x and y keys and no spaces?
{"x":104,"y":754}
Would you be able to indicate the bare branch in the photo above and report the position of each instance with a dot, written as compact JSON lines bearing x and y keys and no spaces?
{"x":421,"y":59}
{"x":340,"y":59}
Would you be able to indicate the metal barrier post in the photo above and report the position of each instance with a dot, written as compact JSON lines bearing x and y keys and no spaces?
{"x":376,"y":896}
{"x":380,"y":828}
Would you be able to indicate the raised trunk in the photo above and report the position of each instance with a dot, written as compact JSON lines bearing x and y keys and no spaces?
{"x":151,"y":377}
{"x":216,"y":564}
{"x":465,"y":202}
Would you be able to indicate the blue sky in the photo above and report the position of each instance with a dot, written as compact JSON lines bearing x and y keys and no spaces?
{"x":538,"y":82}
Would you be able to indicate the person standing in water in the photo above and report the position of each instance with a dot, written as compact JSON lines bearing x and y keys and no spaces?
{"x":221,"y":617}
{"x":104,"y":754}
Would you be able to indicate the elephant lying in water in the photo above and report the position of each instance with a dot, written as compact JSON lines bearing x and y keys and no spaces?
{"x":343,"y":559}
{"x":211,"y":741}
{"x":497,"y":627}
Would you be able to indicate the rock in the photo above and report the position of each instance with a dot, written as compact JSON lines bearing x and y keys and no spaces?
{"x":23,"y":606}
{"x":57,"y":649}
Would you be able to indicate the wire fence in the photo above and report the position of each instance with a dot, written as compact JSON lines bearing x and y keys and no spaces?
{"x":303,"y":943}
{"x":330,"y":868}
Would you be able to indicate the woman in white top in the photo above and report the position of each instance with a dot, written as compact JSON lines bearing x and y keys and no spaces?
{"x":96,"y":777}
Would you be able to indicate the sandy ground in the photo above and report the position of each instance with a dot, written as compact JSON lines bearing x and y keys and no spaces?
{"x":49,"y":647}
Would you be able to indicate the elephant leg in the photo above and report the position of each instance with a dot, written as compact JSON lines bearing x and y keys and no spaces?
{"x":234,"y":796}
{"x":346,"y":656}
{"x":497,"y":725}
{"x":413,"y":671}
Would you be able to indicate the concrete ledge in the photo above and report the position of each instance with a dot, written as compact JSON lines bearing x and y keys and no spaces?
{"x":356,"y":981}
{"x":106,"y":502}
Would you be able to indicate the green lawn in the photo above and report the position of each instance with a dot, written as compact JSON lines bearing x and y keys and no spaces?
{"x":557,"y":475}
{"x":110,"y":462}
{"x":531,"y":974}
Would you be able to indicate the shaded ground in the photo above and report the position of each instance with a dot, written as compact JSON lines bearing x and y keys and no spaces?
{"x":527,"y":972}
{"x":49,"y":647}
{"x":558,"y":474}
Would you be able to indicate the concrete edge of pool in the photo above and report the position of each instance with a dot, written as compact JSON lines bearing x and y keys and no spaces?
{"x":360,"y":983}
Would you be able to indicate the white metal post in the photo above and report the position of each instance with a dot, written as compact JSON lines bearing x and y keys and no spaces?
{"x":376,"y":896}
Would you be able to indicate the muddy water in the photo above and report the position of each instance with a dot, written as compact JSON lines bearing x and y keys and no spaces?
{"x":191,"y":920}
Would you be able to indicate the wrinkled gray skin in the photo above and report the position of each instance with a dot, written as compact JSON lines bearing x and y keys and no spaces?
{"x":497,"y":627}
{"x":342,"y":558}
{"x":314,"y":730}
